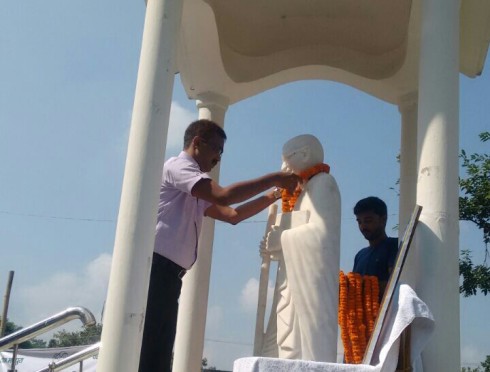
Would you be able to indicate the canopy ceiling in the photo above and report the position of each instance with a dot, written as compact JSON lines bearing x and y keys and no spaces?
{"x":239,"y":48}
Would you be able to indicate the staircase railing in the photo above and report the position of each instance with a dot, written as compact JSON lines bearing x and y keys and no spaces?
{"x":46,"y":325}
{"x":24,"y":334}
{"x":72,"y":359}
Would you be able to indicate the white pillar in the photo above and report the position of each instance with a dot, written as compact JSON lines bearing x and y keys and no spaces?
{"x":193,"y":303}
{"x":437,"y":186}
{"x":135,"y":233}
{"x":407,"y":106}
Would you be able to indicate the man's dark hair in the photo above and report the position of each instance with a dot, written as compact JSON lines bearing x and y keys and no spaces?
{"x":371,"y":204}
{"x":202,"y":128}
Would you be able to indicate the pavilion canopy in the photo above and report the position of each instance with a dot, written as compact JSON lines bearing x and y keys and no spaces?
{"x":239,"y":48}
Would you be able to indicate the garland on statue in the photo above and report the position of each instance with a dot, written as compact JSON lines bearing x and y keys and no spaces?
{"x":288,"y":199}
{"x":358,"y":309}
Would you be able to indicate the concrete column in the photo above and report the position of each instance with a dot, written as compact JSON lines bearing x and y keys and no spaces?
{"x":437,"y":184}
{"x":135,"y":233}
{"x":193,"y":304}
{"x":408,"y":158}
{"x":407,"y":106}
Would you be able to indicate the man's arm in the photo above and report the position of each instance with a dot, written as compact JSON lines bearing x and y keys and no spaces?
{"x":242,"y":212}
{"x":210,"y":191}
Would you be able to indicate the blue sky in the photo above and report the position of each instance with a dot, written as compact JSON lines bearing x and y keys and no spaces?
{"x":68,"y":73}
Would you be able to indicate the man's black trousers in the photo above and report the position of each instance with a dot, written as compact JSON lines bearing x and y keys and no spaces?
{"x":161,"y":315}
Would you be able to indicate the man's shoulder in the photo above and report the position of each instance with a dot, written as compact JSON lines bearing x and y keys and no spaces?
{"x":362,"y":251}
{"x":177,"y":160}
{"x":181,"y":163}
{"x":392,"y":242}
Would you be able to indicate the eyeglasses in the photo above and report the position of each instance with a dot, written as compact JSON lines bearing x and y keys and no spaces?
{"x":214,"y":147}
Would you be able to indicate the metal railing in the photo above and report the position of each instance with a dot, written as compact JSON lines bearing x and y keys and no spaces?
{"x":24,"y":334}
{"x":46,"y":325}
{"x":73,"y":359}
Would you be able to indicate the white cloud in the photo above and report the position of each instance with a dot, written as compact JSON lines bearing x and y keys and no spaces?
{"x":220,"y":347}
{"x":472,"y":355}
{"x":66,"y":289}
{"x":214,"y":318}
{"x":180,"y":118}
{"x":249,"y":295}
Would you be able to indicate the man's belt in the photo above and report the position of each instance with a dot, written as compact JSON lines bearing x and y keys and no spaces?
{"x":172,"y":266}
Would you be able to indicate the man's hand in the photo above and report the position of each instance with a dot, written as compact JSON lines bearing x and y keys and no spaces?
{"x":288,"y":181}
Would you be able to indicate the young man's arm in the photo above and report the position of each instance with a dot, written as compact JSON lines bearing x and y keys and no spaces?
{"x":210,"y":191}
{"x":242,"y":212}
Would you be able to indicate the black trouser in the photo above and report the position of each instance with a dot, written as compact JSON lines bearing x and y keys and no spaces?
{"x":161,"y":315}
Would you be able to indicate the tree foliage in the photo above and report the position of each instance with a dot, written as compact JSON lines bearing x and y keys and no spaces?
{"x":34,"y":343}
{"x":205,"y":367}
{"x":474,"y":206}
{"x":474,"y":276}
{"x":87,"y":336}
{"x":469,"y":369}
{"x":483,"y":367}
{"x":486,"y":364}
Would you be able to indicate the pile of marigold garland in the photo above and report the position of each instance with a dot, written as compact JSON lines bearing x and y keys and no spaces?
{"x":358,"y":309}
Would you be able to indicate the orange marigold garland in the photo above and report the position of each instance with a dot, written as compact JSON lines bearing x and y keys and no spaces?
{"x":343,"y":316}
{"x":375,"y":289}
{"x":288,"y":199}
{"x":358,"y":307}
{"x":352,"y":320}
{"x":368,"y":306}
{"x":360,"y":316}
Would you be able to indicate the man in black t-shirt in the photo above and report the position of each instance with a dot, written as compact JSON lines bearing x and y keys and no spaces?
{"x":379,"y":257}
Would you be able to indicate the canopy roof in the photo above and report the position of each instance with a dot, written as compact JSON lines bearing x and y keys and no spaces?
{"x":239,"y":48}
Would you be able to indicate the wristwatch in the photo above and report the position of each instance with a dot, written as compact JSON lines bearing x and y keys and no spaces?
{"x":277,"y":193}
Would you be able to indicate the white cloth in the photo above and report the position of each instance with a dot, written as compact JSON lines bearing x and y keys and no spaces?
{"x":406,"y":309}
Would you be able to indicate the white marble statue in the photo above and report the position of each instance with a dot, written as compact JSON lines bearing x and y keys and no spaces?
{"x":306,"y":242}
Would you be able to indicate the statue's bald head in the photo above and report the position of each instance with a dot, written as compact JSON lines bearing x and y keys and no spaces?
{"x":302,"y":152}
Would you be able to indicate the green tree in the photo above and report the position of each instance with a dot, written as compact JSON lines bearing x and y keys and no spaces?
{"x":474,"y":206}
{"x":87,"y":336}
{"x":483,"y":367}
{"x":204,"y":365}
{"x":486,"y":364}
{"x":34,"y":343}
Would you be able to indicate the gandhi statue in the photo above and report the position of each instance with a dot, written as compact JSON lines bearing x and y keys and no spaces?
{"x":307,"y":245}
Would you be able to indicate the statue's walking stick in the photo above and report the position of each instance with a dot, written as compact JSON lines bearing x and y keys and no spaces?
{"x":263,"y":284}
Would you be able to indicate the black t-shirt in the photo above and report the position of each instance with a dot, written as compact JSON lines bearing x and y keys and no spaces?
{"x":376,"y":260}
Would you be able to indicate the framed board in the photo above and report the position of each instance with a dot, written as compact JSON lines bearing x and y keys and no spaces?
{"x":392,"y":283}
